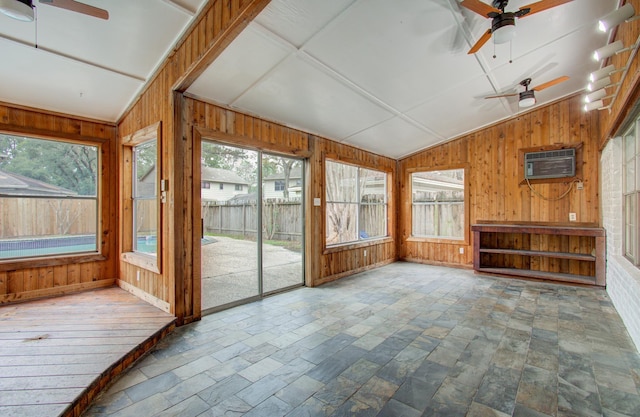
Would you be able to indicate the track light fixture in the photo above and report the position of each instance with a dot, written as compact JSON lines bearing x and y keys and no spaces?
{"x":18,"y":9}
{"x":598,"y":104}
{"x":601,"y":83}
{"x":616,"y":17}
{"x":609,"y":50}
{"x":595,"y":96}
{"x":602,"y":72}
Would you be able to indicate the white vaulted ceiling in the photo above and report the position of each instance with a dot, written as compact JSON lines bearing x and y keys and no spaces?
{"x":394,"y":76}
{"x":87,"y":66}
{"x":389,"y":76}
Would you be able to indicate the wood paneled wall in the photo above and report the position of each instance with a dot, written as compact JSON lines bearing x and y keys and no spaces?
{"x":161,"y":101}
{"x":328,"y":264}
{"x":495,"y":180}
{"x":322,"y":265}
{"x":24,"y":280}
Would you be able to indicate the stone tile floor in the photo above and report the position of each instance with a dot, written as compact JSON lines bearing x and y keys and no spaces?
{"x":402,"y":340}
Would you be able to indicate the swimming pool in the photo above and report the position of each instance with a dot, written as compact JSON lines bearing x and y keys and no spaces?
{"x":29,"y":248}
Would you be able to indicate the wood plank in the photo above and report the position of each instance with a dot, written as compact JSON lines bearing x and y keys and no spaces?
{"x":56,"y":365}
{"x":552,"y":252}
{"x":562,"y":255}
{"x":552,"y":276}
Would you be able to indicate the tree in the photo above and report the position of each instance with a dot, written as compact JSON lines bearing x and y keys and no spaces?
{"x":278,"y":165}
{"x":241,"y":161}
{"x":341,"y":200}
{"x":67,"y":165}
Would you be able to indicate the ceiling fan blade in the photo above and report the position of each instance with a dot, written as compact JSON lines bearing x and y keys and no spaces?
{"x":483,"y":39}
{"x":550,"y":83}
{"x":541,"y":6}
{"x":78,"y":7}
{"x":502,"y":95}
{"x":479,"y":7}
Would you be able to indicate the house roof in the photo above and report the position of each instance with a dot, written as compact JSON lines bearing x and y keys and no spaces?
{"x":222,"y":176}
{"x":18,"y":185}
{"x":295,"y":174}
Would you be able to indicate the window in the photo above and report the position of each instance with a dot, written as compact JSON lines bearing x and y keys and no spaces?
{"x":631,"y":192}
{"x":141,"y":205}
{"x":145,"y":196}
{"x":205,"y":184}
{"x":438,"y":204}
{"x":221,"y":186}
{"x":238,"y":187}
{"x":279,"y":185}
{"x":48,"y":197}
{"x":356,"y":200}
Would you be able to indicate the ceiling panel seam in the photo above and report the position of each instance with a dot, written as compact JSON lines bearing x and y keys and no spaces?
{"x":44,"y":49}
{"x":271,"y":37}
{"x":183,"y":9}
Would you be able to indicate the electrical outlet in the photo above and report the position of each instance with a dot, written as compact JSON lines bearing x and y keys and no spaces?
{"x":461,"y":250}
{"x":579,"y":185}
{"x":572,"y":217}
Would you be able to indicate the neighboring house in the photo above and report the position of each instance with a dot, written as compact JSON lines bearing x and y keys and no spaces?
{"x":16,"y":185}
{"x":216,"y":184}
{"x":221,"y":185}
{"x":274,"y":185}
{"x":430,"y":182}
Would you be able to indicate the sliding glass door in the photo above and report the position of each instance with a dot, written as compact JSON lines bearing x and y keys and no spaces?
{"x":282,"y":222}
{"x":252,"y":213}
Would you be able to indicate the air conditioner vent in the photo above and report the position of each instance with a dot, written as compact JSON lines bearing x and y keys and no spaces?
{"x":550,"y":164}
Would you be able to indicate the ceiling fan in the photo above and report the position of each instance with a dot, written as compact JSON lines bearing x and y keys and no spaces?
{"x":23,"y":9}
{"x":503,"y":23}
{"x":527,"y":98}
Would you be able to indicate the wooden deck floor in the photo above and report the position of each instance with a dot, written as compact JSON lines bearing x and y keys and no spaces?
{"x":57,"y":354}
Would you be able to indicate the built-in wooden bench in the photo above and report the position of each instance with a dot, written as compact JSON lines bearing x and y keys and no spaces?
{"x":572,"y":252}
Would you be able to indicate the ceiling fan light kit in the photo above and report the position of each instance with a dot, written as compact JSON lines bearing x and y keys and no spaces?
{"x":18,"y":9}
{"x":527,"y":99}
{"x":503,"y":28}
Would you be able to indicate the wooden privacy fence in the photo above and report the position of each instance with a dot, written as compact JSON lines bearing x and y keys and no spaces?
{"x":281,"y":219}
{"x":29,"y":217}
{"x":444,"y":219}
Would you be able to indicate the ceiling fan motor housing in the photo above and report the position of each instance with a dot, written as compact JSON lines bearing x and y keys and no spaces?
{"x":500,"y":4}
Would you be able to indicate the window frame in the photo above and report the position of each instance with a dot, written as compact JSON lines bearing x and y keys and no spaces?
{"x":140,"y":259}
{"x":11,"y":264}
{"x":328,"y":248}
{"x":432,"y":239}
{"x":631,"y":254}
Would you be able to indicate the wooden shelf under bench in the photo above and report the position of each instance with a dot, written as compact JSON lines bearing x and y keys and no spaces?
{"x":561,"y":252}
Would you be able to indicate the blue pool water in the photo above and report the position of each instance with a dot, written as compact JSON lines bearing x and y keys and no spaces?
{"x":28,"y":248}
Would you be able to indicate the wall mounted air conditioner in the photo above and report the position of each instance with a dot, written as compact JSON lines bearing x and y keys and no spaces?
{"x":550,"y":164}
